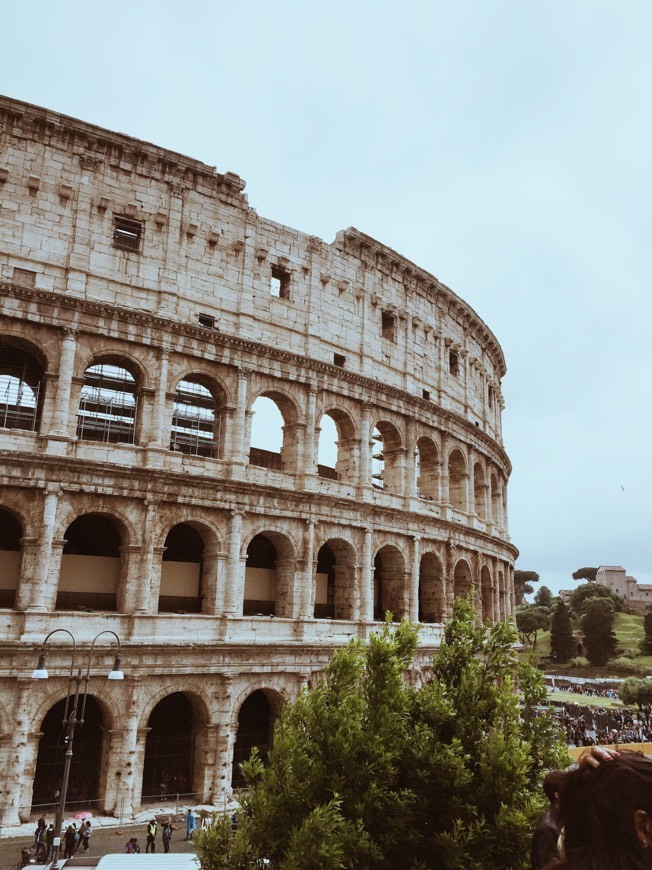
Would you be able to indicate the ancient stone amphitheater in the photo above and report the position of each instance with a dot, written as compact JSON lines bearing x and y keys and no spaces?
{"x":148,"y":315}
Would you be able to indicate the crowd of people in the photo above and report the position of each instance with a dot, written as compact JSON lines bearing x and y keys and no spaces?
{"x":585,"y":725}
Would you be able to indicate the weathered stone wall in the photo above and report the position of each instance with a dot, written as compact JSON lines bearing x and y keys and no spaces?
{"x":414,"y":362}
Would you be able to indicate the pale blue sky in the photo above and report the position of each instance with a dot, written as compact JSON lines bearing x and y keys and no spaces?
{"x":503,"y":146}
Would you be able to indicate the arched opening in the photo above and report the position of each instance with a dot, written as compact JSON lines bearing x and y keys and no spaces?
{"x":479,"y":500}
{"x":255,"y":729}
{"x":387,"y":457}
{"x":325,"y":584}
{"x":90,"y":565}
{"x":86,"y":763}
{"x":196,"y":418}
{"x":431,"y":589}
{"x":487,"y":592}
{"x":335,"y":594}
{"x":260,"y":578}
{"x":389,"y":583}
{"x":11,"y":533}
{"x":462,"y":579}
{"x":426,"y":467}
{"x":171,"y":766}
{"x":22,"y":382}
{"x":495,"y":501}
{"x":275,"y":435}
{"x":327,"y":452}
{"x":457,"y":480}
{"x":181,"y":571}
{"x":108,"y":403}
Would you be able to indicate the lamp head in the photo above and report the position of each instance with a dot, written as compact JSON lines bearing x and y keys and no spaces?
{"x":116,"y":672}
{"x":39,"y":672}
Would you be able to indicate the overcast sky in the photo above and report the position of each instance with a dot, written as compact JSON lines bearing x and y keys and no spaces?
{"x":503,"y":146}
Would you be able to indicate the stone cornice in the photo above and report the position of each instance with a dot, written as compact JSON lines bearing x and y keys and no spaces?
{"x":153,"y":322}
{"x":381,"y":258}
{"x":95,"y":146}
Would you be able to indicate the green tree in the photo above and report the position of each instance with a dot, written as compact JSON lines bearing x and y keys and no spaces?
{"x":585,"y":574}
{"x":562,"y":642}
{"x":597,"y":625}
{"x":544,"y":598}
{"x":646,"y":643}
{"x":635,"y":690}
{"x":530,"y":620}
{"x":370,"y":771}
{"x":579,"y":597}
{"x":523,"y":581}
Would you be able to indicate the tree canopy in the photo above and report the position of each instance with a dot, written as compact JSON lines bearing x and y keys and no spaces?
{"x":646,"y":643}
{"x":523,"y":581}
{"x":562,"y":641}
{"x":636,"y":691}
{"x":597,"y":623}
{"x":585,"y":574}
{"x":370,"y":770}
{"x":530,"y":620}
{"x":579,"y":598}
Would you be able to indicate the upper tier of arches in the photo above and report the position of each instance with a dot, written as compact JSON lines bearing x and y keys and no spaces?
{"x":216,"y":411}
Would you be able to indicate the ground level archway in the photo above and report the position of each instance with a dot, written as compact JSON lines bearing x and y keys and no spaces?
{"x":256,"y":719}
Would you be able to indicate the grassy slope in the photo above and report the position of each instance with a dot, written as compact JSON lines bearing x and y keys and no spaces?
{"x":629,"y":631}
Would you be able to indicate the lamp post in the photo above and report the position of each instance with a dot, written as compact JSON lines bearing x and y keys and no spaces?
{"x":77,"y":692}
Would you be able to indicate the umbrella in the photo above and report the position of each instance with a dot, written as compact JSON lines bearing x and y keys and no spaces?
{"x":85,"y":814}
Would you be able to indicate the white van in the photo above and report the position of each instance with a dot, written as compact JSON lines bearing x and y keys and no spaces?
{"x":122,"y":861}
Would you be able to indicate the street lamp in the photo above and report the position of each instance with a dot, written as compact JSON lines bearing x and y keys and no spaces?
{"x":70,"y":718}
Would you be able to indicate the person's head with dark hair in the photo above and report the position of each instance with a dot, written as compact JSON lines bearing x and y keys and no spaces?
{"x":552,"y":784}
{"x":606,"y":815}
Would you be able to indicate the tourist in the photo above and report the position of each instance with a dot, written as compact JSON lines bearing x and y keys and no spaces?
{"x":605,"y":811}
{"x":85,"y":836}
{"x":151,"y":837}
{"x":167,"y":835}
{"x":49,"y":839}
{"x":546,"y":833}
{"x":70,"y":841}
{"x":132,"y":847}
{"x":191,"y":824}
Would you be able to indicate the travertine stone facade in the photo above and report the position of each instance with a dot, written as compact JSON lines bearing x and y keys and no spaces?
{"x":137,"y":284}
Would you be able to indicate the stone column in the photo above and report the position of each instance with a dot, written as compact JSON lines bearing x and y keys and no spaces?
{"x":124,"y":775}
{"x":155,"y":438}
{"x":224,"y":740}
{"x":449,"y":569}
{"x":310,"y":444}
{"x":18,"y":751}
{"x":211,"y":587}
{"x":306,"y":592}
{"x":61,"y":412}
{"x":38,"y":590}
{"x":365,"y":447}
{"x":150,"y":567}
{"x":409,"y":484}
{"x":238,"y":423}
{"x":234,"y":589}
{"x":134,"y":591}
{"x":414,"y":579}
{"x":367,"y":579}
{"x":470,"y":483}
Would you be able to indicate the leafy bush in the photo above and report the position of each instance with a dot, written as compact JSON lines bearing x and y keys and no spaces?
{"x":369,"y":771}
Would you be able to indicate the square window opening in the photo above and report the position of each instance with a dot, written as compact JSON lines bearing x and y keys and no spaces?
{"x":127,"y":234}
{"x":388,"y":326}
{"x":207,"y":320}
{"x":339,"y":360}
{"x":454,"y":363}
{"x":426,"y":395}
{"x":280,"y":283}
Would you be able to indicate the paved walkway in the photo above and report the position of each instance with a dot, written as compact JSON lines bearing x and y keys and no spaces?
{"x":108,"y":836}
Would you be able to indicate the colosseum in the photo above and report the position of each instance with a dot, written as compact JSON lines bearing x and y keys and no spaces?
{"x":226,"y":445}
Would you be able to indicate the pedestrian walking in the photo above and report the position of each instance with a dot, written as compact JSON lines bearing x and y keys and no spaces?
{"x":85,"y":837}
{"x":151,"y":837}
{"x":191,"y":824}
{"x":167,"y":835}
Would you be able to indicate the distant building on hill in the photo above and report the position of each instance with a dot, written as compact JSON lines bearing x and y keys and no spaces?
{"x":638,"y":596}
